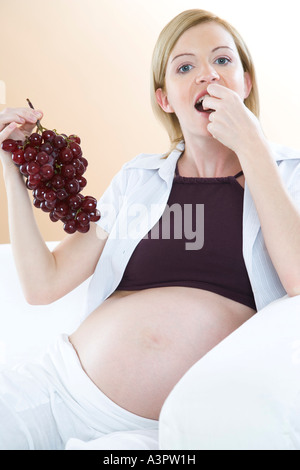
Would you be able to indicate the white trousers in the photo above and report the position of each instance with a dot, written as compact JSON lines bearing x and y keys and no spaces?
{"x":43,"y":405}
{"x":245,"y":393}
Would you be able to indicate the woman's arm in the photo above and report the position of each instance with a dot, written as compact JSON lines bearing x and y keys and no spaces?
{"x":44,"y":276}
{"x":278,"y":214}
{"x":236,"y":127}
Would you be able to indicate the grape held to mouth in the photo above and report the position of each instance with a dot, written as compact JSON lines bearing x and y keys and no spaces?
{"x":53,"y":167}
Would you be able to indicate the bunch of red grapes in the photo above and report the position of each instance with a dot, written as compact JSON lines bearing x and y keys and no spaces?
{"x":53,"y":167}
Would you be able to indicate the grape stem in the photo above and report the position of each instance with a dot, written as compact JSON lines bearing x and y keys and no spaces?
{"x":38,"y":122}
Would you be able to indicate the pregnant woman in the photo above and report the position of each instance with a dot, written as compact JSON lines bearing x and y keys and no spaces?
{"x":190,"y":245}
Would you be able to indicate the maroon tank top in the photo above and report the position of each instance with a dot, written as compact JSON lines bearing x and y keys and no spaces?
{"x":196,"y":243}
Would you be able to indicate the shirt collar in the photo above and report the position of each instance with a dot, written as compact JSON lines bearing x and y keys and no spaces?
{"x":166,"y":165}
{"x":281,"y":152}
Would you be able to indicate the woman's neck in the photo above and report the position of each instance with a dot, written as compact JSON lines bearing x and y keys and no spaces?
{"x":208,"y":158}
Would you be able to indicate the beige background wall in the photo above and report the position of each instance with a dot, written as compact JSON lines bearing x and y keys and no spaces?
{"x":86,"y":63}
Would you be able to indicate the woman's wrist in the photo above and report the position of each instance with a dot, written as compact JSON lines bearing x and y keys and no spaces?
{"x":253,"y":150}
{"x":11,"y":171}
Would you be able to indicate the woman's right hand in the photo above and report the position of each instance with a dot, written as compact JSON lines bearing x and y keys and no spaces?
{"x":16,"y":123}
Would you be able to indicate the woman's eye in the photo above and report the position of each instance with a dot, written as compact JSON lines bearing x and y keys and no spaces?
{"x":223,"y":61}
{"x":185,"y":68}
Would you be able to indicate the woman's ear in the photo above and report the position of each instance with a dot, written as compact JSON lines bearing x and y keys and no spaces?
{"x":162,"y":100}
{"x":247,"y":84}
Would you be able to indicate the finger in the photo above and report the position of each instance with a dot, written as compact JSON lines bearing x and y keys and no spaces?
{"x":31,"y":118}
{"x":9,"y":119}
{"x":6,"y":132}
{"x":211,"y":116}
{"x":29,"y":115}
{"x":210,"y":103}
{"x":218,"y":91}
{"x":209,"y":128}
{"x":27,"y":128}
{"x":214,"y":129}
{"x":18,"y":135}
{"x":19,"y":115}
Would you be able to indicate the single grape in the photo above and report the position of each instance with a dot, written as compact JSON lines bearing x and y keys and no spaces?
{"x":53,"y":217}
{"x":9,"y":145}
{"x":51,"y":205}
{"x":58,"y":182}
{"x":82,"y":182}
{"x":36,"y":203}
{"x":83,"y":218}
{"x":76,"y":149}
{"x":70,"y":226}
{"x":18,"y":157}
{"x":48,"y":135}
{"x":84,"y":161}
{"x":75,"y":138}
{"x":66,"y":155}
{"x":47,"y":171}
{"x":39,"y":193}
{"x":42,"y":158}
{"x":30,"y":154}
{"x":75,"y":202}
{"x":82,"y":228}
{"x":35,"y":139}
{"x":71,"y":215}
{"x":61,"y":194}
{"x":23,"y":169}
{"x":44,"y":207}
{"x":46,"y":147}
{"x":95,"y":215}
{"x":61,"y":209}
{"x":72,"y":186}
{"x":81,"y":169}
{"x":76,"y":163}
{"x":68,"y":171}
{"x":33,"y":181}
{"x":33,"y":168}
{"x":89,"y":204}
{"x":50,"y":195}
{"x":59,"y":142}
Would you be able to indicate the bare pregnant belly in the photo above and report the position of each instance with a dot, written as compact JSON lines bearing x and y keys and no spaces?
{"x":137,"y":345}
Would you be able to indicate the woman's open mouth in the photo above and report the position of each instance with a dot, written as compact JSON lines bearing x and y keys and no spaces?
{"x":199,"y":105}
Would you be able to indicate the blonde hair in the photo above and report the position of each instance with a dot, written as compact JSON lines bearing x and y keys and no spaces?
{"x":162,"y":50}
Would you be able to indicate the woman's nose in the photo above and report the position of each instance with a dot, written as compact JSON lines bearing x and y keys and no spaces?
{"x":207,"y":75}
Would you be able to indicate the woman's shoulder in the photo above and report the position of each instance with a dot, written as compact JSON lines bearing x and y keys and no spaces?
{"x":288,"y":161}
{"x":146,"y":161}
{"x":283,"y":152}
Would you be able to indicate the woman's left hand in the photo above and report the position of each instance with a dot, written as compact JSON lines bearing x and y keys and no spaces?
{"x":232,"y":123}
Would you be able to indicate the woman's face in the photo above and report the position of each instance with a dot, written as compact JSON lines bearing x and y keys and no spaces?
{"x":204,"y":54}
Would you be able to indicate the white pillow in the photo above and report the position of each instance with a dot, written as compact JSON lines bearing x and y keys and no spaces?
{"x":27,"y":330}
{"x":142,"y":439}
{"x":245,"y":393}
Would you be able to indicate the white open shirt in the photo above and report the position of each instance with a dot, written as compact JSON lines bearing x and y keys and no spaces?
{"x":136,"y":199}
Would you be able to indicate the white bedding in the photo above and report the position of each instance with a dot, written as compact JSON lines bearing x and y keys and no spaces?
{"x":245,"y":393}
{"x":205,"y":410}
{"x":26,"y":331}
